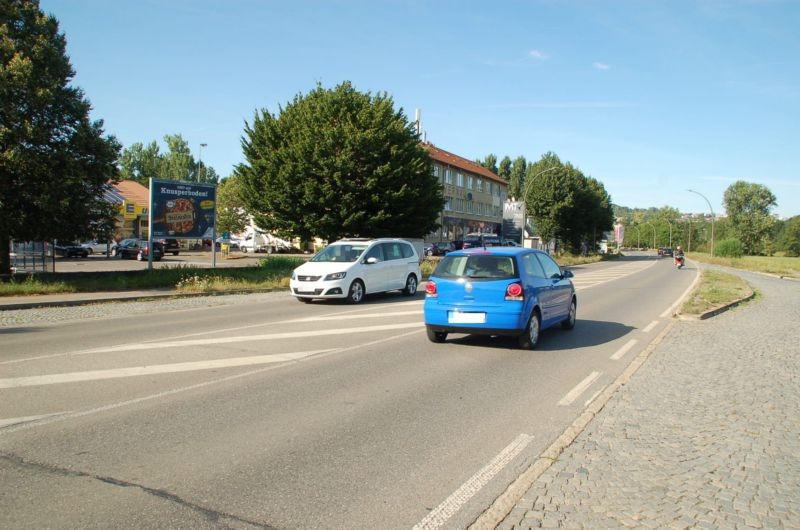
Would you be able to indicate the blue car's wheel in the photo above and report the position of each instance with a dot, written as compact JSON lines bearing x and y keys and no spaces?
{"x":529,"y":337}
{"x":569,"y":323}
{"x":436,"y":336}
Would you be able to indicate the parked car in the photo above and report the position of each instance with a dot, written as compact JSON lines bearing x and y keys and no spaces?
{"x":511,"y":243}
{"x":439,"y":248}
{"x":233,"y":243}
{"x":352,"y":268}
{"x":96,"y":247}
{"x":499,"y":291}
{"x":476,"y":240}
{"x":137,"y":249}
{"x":70,"y":249}
{"x":115,"y":247}
{"x":665,"y":251}
{"x":171,"y":246}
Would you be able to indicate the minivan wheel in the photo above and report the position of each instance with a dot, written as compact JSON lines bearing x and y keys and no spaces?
{"x":435,"y":336}
{"x":569,"y":323}
{"x":529,"y":337}
{"x":411,"y":285}
{"x":356,"y":292}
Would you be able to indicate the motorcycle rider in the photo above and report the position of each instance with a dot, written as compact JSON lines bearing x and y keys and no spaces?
{"x":679,"y":257}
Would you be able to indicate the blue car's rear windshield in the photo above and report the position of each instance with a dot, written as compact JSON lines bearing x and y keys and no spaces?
{"x":480,"y":266}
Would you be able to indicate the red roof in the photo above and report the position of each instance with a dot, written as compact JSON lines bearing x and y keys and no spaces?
{"x":133,"y":191}
{"x":448,"y":158}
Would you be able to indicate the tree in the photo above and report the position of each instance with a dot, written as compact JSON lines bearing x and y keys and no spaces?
{"x":338,"y":162}
{"x":54,"y":161}
{"x":788,"y":238}
{"x":505,"y":168}
{"x":748,"y":207}
{"x":516,"y":180}
{"x":231,"y":214}
{"x":490,"y":163}
{"x":140,"y":163}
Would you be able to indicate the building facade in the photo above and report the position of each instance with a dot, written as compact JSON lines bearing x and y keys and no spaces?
{"x":474,"y":197}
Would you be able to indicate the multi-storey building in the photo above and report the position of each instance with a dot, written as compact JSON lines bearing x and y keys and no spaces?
{"x":474,"y":196}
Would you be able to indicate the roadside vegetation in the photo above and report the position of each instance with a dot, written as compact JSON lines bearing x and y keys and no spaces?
{"x":272,"y":273}
{"x":782,"y":266}
{"x":716,"y":289}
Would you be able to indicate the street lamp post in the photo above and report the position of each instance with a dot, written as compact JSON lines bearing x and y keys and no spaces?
{"x":528,"y":182}
{"x":712,"y":219}
{"x":200,"y":163}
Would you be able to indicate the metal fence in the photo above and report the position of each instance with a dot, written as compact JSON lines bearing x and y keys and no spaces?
{"x":32,"y":256}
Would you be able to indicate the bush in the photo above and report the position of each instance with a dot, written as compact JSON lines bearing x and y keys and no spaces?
{"x":729,"y":248}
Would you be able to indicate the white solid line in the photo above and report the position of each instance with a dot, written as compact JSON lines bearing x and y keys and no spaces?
{"x":579,"y":389}
{"x":439,"y":515}
{"x":622,"y":351}
{"x":650,"y":326}
{"x":353,"y":316}
{"x":671,"y":309}
{"x":250,"y":338}
{"x":94,"y":375}
{"x":26,"y":419}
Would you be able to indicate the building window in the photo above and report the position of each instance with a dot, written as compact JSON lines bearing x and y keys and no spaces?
{"x":460,"y":179}
{"x":448,"y":176}
{"x":479,"y":186}
{"x":435,"y":170}
{"x":448,"y":203}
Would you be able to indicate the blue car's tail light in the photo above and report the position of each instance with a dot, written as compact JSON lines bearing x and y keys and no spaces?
{"x":514,"y":291}
{"x":430,"y":289}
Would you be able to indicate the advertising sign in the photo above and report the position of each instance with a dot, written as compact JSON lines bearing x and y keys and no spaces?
{"x":513,"y":220}
{"x":619,"y":233}
{"x":182,"y":209}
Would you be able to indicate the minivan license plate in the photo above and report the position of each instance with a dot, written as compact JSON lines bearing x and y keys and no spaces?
{"x":458,"y":317}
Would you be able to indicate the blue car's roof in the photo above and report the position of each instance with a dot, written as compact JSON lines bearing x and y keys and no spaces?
{"x":490,"y":251}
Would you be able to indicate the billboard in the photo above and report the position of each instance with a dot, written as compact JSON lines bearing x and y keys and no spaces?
{"x":182,"y":209}
{"x":513,"y":220}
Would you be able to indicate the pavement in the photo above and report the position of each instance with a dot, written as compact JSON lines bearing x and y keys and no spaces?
{"x":701,"y":431}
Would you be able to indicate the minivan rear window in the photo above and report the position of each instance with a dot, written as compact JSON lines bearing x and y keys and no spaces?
{"x":475,"y":267}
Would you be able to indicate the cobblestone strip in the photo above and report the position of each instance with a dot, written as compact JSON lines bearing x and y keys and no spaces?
{"x":705,"y":435}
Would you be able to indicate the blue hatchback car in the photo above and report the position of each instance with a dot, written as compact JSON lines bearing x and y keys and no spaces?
{"x":499,"y":291}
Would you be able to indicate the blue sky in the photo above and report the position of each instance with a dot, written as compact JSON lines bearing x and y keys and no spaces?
{"x":649,"y":97}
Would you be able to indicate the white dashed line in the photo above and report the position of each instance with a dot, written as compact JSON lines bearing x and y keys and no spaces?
{"x":622,"y":351}
{"x":579,"y":389}
{"x":650,"y":326}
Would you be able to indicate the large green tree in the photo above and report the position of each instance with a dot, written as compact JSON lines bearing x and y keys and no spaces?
{"x":748,"y":207}
{"x":338,"y":162}
{"x":54,"y":161}
{"x":516,"y":180}
{"x":565,"y":204}
{"x":490,"y":163}
{"x":788,"y":238}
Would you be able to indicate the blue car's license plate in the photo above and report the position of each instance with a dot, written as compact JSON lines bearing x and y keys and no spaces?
{"x":459,"y":317}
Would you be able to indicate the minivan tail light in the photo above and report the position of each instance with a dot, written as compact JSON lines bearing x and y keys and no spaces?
{"x":514,"y":291}
{"x":430,"y":289}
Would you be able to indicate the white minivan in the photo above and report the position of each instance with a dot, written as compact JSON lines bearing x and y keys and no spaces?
{"x":351,"y":268}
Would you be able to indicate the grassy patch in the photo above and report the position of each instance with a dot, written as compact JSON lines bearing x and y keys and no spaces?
{"x":716,"y":289}
{"x":272,"y":273}
{"x":782,"y":266}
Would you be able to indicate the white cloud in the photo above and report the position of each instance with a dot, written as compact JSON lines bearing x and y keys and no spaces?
{"x":538,"y":54}
{"x":601,"y":66}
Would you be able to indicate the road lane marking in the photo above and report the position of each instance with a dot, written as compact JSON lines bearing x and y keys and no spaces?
{"x":579,"y":389}
{"x":622,"y":351}
{"x":352,"y":317}
{"x":119,"y":404}
{"x":135,"y":371}
{"x":594,"y":396}
{"x":650,"y":326}
{"x":439,"y":515}
{"x":26,"y":419}
{"x":218,"y":340}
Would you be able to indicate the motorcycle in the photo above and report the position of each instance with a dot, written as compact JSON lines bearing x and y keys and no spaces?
{"x":679,"y":262}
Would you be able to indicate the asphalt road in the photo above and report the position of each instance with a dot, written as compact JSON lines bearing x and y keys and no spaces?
{"x":268,"y":413}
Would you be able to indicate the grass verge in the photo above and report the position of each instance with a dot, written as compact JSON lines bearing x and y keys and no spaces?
{"x":716,"y":289}
{"x":781,"y":266}
{"x":272,"y":273}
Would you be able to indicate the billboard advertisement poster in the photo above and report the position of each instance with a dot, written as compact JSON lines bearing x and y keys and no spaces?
{"x":513,"y":220}
{"x":182,"y":209}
